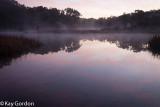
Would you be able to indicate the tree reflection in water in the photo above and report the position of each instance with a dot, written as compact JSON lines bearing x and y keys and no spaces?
{"x":71,"y":42}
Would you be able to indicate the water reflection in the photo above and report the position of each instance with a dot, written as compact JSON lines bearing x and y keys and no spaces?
{"x":96,"y":73}
{"x":71,"y":42}
{"x":57,"y":44}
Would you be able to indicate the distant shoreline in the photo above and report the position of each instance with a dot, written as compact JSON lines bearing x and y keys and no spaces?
{"x":79,"y":31}
{"x":104,"y":30}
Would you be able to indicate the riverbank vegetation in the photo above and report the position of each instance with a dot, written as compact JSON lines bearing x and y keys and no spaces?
{"x":154,"y":45}
{"x":13,"y":45}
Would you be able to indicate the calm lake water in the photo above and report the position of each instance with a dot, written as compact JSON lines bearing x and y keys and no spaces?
{"x":84,"y":70}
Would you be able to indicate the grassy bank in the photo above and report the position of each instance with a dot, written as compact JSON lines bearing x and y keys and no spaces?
{"x":11,"y":45}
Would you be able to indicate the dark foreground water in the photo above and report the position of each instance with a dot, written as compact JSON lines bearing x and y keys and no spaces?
{"x":84,"y":70}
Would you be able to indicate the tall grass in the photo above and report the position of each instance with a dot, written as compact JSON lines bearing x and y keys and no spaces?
{"x":154,"y":45}
{"x":11,"y":45}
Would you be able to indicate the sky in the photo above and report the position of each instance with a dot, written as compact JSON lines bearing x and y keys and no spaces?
{"x":97,"y":8}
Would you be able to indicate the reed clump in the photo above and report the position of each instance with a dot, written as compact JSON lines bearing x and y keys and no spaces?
{"x":154,"y":45}
{"x":12,"y":45}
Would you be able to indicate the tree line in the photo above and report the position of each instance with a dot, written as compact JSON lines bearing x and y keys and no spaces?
{"x":137,"y":19}
{"x":17,"y":16}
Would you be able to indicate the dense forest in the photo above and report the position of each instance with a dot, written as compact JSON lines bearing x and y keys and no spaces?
{"x":20,"y":17}
{"x":138,"y":19}
{"x":17,"y":16}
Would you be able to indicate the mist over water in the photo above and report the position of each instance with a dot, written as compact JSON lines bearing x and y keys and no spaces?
{"x":57,"y":58}
{"x":93,"y":69}
{"x":70,"y":42}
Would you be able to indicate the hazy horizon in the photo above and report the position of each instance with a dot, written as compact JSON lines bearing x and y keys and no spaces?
{"x":97,"y":8}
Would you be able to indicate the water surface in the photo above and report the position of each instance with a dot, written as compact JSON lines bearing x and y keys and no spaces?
{"x":84,"y":70}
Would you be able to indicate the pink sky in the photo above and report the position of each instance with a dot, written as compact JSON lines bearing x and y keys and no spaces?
{"x":97,"y":8}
